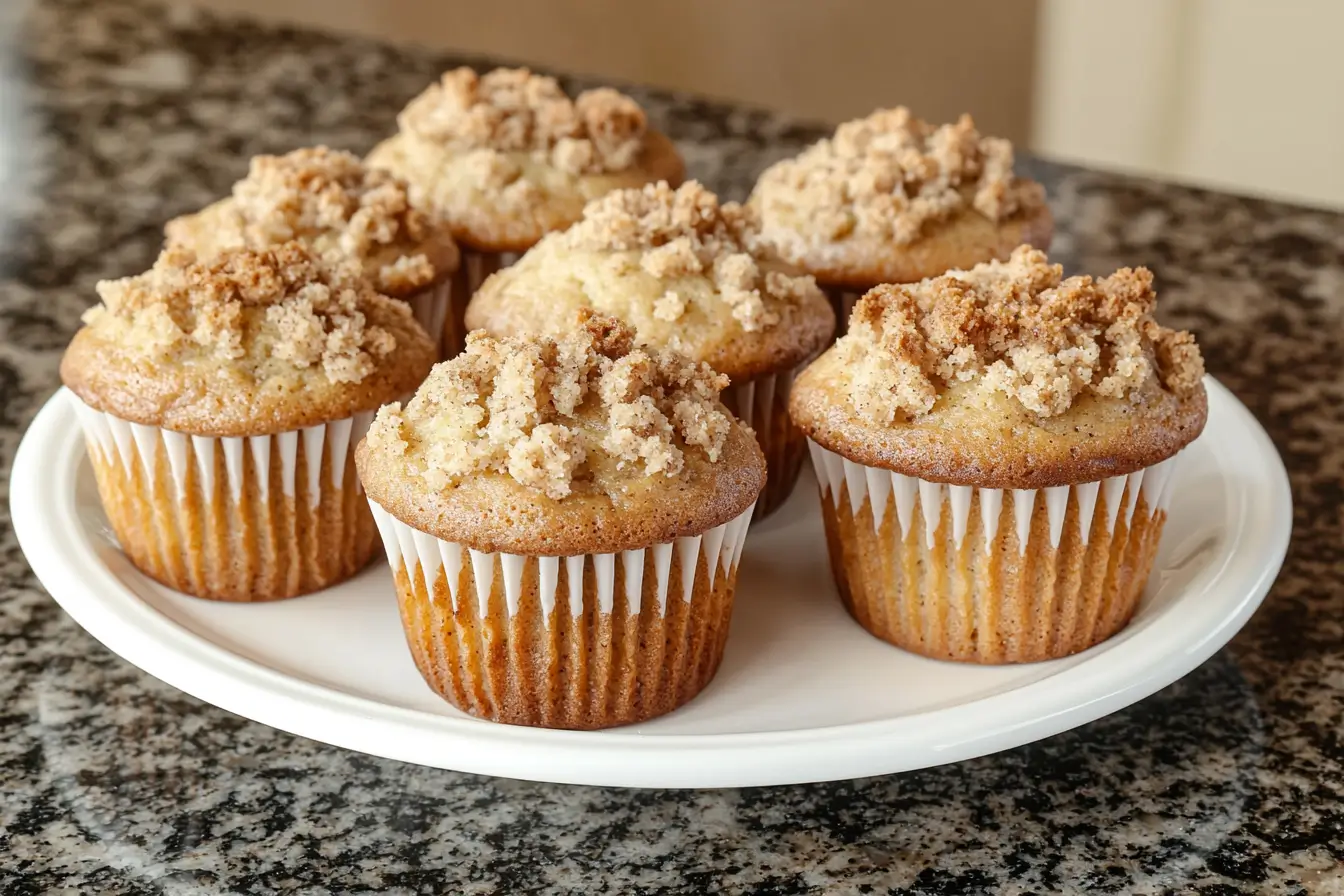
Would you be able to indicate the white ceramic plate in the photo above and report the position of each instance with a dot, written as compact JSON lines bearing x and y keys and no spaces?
{"x":804,"y":694}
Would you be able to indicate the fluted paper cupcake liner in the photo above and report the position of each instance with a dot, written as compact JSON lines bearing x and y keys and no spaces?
{"x":476,"y":267}
{"x":763,"y":404}
{"x":435,"y":309}
{"x":588,"y":641}
{"x":843,"y":301}
{"x":990,"y":575}
{"x":237,"y":519}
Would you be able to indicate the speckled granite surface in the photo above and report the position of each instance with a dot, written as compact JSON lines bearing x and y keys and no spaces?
{"x":116,"y":116}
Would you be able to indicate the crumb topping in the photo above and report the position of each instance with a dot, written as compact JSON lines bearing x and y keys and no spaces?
{"x":316,"y":191}
{"x":548,"y":412}
{"x":687,"y":232}
{"x":514,"y":110}
{"x":891,"y":174}
{"x":283,"y":303}
{"x":1022,"y":329}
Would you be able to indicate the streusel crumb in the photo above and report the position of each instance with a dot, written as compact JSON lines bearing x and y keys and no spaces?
{"x":891,"y":174}
{"x":329,"y":195}
{"x":549,"y":411}
{"x":283,"y":303}
{"x":514,"y":110}
{"x":1023,"y":329}
{"x":682,"y":233}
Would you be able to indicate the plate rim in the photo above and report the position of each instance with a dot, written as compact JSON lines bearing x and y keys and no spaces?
{"x":41,"y":507}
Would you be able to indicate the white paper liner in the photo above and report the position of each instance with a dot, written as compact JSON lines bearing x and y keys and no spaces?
{"x":431,"y":308}
{"x":237,"y":519}
{"x":842,"y":301}
{"x":883,"y":488}
{"x":478,"y":266}
{"x":424,"y":556}
{"x":475,"y":269}
{"x":762,"y":403}
{"x":121,"y":442}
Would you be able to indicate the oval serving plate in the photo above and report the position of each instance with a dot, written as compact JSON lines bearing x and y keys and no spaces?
{"x":803,"y":694}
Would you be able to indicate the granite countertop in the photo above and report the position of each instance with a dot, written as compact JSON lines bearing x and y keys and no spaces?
{"x":117,"y":116}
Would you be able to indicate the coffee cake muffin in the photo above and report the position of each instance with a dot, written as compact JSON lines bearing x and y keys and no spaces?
{"x":996,"y":450}
{"x":674,"y":265}
{"x":564,"y":518}
{"x":341,"y":209}
{"x":508,"y":157}
{"x":220,"y":401}
{"x":893,"y":199}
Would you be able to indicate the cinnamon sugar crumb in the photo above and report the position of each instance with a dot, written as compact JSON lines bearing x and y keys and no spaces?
{"x":318,"y":191}
{"x":514,"y":110}
{"x":890,"y":175}
{"x":686,"y":232}
{"x":1022,"y":329}
{"x":548,"y":411}
{"x":283,"y":303}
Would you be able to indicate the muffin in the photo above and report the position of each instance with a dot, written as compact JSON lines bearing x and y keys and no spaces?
{"x":893,"y":199}
{"x":996,"y":450}
{"x":341,"y":209}
{"x":564,"y":519}
{"x":674,"y":264}
{"x":220,"y":401}
{"x":508,"y":157}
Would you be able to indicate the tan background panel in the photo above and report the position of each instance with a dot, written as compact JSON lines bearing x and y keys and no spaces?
{"x":812,"y":59}
{"x":1236,"y":94}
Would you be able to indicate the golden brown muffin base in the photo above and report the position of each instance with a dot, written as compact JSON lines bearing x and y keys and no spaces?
{"x":960,"y":252}
{"x":224,"y":399}
{"x":963,"y":242}
{"x":494,"y":512}
{"x":551,"y":283}
{"x":480,"y":222}
{"x":594,"y":670}
{"x":1002,"y":445}
{"x":998,"y":604}
{"x":252,"y":549}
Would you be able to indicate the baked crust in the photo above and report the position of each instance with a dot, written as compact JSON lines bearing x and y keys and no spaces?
{"x":1000,"y":446}
{"x":1007,"y":375}
{"x":330,"y":201}
{"x":215,"y":229}
{"x":675,"y":265}
{"x":583,"y":444}
{"x":493,"y":512}
{"x":507,"y":201}
{"x":962,"y":242}
{"x":890,"y":198}
{"x":226,"y":348}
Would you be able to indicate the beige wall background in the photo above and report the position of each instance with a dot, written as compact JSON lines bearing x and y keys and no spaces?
{"x":821,"y":59}
{"x":1238,"y":94}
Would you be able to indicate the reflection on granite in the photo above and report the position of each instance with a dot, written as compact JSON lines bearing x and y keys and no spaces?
{"x":1230,"y":781}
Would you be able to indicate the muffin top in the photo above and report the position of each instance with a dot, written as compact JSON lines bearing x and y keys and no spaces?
{"x":508,"y":156}
{"x":581,"y":443}
{"x":244,"y":343}
{"x":891,"y":198}
{"x":330,"y":200}
{"x":1007,"y":376}
{"x":675,"y":265}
